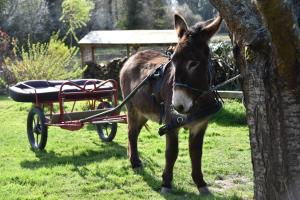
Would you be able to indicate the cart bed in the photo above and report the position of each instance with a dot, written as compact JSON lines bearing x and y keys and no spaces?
{"x":45,"y":91}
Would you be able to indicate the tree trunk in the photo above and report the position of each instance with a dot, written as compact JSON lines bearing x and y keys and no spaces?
{"x":267,"y":48}
{"x":109,"y":21}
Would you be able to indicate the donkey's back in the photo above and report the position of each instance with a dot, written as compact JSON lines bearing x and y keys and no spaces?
{"x":136,"y":68}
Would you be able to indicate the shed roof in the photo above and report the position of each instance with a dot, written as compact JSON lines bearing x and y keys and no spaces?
{"x":130,"y":37}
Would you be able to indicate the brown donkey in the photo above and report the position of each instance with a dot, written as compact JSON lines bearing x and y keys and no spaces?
{"x":184,"y":88}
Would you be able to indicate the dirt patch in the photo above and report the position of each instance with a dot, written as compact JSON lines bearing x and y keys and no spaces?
{"x":222,"y":184}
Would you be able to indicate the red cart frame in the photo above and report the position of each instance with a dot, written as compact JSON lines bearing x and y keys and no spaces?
{"x":100,"y":95}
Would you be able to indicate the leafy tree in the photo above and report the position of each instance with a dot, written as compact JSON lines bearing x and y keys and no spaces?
{"x":3,"y":4}
{"x":54,"y":14}
{"x":22,"y":18}
{"x":158,"y":11}
{"x":76,"y":13}
{"x":132,"y":17}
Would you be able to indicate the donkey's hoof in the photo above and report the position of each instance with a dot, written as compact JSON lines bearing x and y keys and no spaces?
{"x":204,"y":191}
{"x":137,"y":165}
{"x":165,"y":190}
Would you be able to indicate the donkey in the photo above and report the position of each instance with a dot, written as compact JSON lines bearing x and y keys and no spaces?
{"x":185,"y":77}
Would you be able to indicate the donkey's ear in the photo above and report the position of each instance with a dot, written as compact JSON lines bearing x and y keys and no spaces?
{"x":180,"y":25}
{"x":211,"y":27}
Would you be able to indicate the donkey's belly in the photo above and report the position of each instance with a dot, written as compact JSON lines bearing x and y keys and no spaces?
{"x":151,"y":116}
{"x":146,"y":106}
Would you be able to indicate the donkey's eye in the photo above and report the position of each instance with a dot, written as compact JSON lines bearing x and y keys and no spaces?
{"x":193,"y":64}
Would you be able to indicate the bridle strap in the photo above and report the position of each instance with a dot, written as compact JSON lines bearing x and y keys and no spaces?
{"x":187,"y":86}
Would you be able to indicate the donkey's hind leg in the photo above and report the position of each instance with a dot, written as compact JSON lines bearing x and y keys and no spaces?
{"x":135,"y":124}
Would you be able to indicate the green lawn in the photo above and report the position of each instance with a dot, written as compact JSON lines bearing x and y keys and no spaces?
{"x":77,"y":165}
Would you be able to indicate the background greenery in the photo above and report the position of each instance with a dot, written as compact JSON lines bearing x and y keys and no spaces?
{"x":77,"y":165}
{"x":49,"y":61}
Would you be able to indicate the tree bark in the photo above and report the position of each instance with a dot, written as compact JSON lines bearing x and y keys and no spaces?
{"x":266,"y":37}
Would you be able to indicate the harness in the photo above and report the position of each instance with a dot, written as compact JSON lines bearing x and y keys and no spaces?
{"x":179,"y":120}
{"x":159,"y":75}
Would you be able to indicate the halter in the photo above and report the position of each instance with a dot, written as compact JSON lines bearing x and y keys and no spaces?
{"x":196,"y":90}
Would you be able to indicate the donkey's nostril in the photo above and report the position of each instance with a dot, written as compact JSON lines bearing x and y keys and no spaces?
{"x":179,"y":108}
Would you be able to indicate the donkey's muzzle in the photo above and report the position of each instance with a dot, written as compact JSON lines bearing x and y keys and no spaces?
{"x":181,"y":101}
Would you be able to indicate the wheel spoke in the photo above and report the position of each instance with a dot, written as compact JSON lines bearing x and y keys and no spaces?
{"x":37,"y":128}
{"x":37,"y":139}
{"x":34,"y":123}
{"x":106,"y":131}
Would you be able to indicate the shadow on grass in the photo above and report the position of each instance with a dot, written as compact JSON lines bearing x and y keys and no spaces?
{"x":51,"y":159}
{"x":229,"y":118}
{"x":177,"y":193}
{"x":4,"y":97}
{"x":108,"y":150}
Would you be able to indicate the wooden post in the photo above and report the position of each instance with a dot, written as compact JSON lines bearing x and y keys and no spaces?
{"x":87,"y":54}
{"x":128,"y":50}
{"x":93,"y":55}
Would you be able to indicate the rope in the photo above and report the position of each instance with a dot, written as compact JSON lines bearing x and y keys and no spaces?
{"x":141,"y":84}
{"x":226,"y":82}
{"x":132,"y":93}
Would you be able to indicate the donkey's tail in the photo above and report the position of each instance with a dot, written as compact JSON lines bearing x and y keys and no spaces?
{"x":147,"y":127}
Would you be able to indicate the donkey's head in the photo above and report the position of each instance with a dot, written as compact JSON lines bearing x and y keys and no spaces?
{"x":190,"y":59}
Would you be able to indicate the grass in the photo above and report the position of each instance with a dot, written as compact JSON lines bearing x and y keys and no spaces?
{"x":77,"y":165}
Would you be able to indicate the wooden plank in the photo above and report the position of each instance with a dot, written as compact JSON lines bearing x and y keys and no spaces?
{"x":110,"y":121}
{"x":75,"y":115}
{"x":231,"y":94}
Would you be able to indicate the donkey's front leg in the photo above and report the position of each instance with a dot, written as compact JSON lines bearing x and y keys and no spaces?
{"x":195,"y":146}
{"x":170,"y":156}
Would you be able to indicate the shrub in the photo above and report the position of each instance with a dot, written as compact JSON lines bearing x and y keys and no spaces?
{"x":2,"y":84}
{"x":224,"y":65}
{"x":53,"y":60}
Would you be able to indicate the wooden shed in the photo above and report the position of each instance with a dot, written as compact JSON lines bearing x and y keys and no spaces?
{"x":123,"y":38}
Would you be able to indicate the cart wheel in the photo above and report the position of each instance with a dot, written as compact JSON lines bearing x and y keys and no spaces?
{"x":107,"y":131}
{"x":37,"y":131}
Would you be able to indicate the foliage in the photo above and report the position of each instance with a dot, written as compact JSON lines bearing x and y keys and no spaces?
{"x":224,"y":63}
{"x":158,"y":11}
{"x":76,"y":13}
{"x":53,"y":60}
{"x":222,"y":51}
{"x":26,"y":17}
{"x":3,"y":4}
{"x":2,"y":83}
{"x":79,"y":166}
